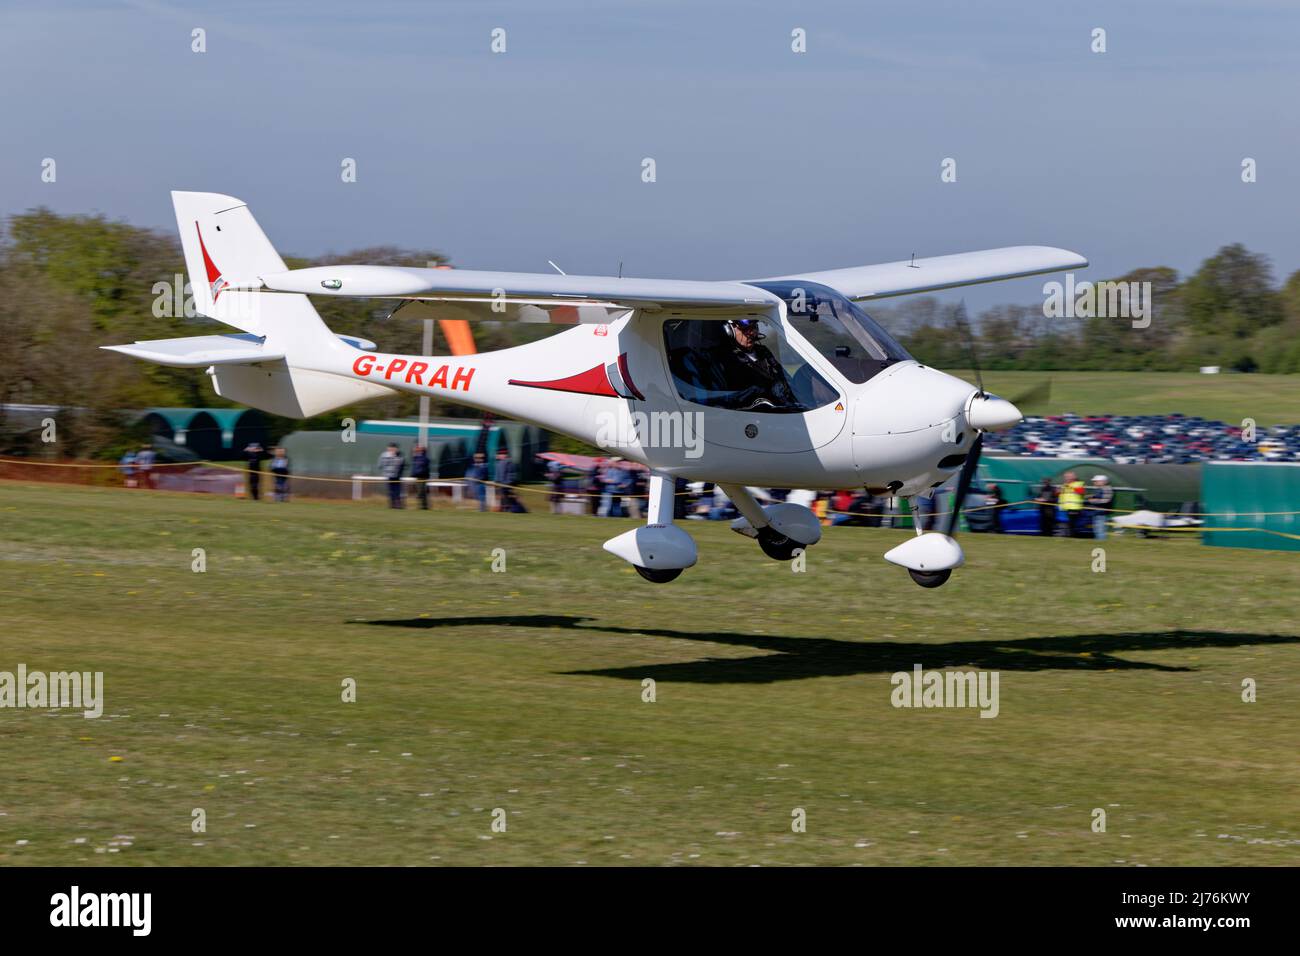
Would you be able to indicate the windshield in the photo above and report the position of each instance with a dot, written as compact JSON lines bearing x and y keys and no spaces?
{"x":850,"y":339}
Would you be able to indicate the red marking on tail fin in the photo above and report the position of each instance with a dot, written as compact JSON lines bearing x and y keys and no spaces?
{"x":213,"y":272}
{"x":215,"y":283}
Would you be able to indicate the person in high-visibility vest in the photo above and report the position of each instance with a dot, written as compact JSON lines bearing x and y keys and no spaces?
{"x":1071,"y":501}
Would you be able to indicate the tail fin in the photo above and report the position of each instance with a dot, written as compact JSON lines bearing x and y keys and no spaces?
{"x":225,"y":249}
{"x":288,"y":364}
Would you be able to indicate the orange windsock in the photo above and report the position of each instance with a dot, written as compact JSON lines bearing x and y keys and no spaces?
{"x":459,"y":337}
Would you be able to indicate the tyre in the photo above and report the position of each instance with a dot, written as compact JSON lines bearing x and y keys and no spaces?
{"x":658,"y":575}
{"x":930,"y":579}
{"x":776,"y":545}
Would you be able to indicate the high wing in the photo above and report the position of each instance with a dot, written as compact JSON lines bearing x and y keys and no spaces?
{"x":513,"y":292}
{"x":229,"y":259}
{"x":943,"y":272}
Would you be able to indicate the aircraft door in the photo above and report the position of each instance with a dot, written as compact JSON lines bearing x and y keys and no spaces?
{"x":749,"y":386}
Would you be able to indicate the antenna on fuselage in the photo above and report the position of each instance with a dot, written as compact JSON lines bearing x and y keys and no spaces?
{"x":556,"y":268}
{"x":912,"y":264}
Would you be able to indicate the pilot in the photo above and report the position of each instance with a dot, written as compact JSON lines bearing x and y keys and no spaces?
{"x":749,"y":369}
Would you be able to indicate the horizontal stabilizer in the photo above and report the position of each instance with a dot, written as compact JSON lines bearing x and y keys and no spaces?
{"x":200,"y":351}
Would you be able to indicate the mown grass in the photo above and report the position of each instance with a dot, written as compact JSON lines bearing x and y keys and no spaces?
{"x":523,"y":691}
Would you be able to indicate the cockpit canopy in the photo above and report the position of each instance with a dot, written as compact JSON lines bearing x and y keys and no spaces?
{"x":854,"y":343}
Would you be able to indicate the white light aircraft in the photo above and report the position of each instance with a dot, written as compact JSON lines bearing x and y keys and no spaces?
{"x":783,"y":382}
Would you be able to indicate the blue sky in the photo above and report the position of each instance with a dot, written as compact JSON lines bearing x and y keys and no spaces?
{"x":768,"y":162}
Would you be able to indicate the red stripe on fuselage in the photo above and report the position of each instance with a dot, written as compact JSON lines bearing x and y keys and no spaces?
{"x":594,"y":381}
{"x":627,"y":378}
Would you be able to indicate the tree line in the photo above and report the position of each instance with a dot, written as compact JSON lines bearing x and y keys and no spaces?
{"x":1229,"y":313}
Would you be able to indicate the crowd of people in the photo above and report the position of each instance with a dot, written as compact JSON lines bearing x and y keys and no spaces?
{"x":501,"y":477}
{"x":616,"y":488}
{"x":254,"y":455}
{"x":1086,"y":507}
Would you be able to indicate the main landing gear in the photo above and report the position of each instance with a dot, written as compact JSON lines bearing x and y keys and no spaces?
{"x":660,"y":551}
{"x":781,"y":529}
{"x":776,"y":545}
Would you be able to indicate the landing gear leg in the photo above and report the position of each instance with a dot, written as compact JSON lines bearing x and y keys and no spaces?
{"x":915,"y":507}
{"x":781,"y":529}
{"x":660,"y":550}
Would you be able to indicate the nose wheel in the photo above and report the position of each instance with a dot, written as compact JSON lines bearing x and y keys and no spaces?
{"x":658,"y":575}
{"x":929,"y":579}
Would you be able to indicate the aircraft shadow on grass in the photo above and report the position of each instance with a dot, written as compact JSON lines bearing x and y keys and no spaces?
{"x":796,"y":658}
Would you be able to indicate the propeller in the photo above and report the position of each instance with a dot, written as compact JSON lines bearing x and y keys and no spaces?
{"x":963,"y":326}
{"x":1035,"y":397}
{"x":964,"y":481}
{"x":1037,"y":394}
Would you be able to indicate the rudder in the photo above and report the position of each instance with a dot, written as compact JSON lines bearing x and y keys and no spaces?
{"x":224,"y":248}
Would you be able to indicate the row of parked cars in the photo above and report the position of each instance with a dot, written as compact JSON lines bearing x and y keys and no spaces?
{"x":1145,"y":439}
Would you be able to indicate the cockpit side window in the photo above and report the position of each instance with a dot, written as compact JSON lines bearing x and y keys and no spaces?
{"x":851,"y":340}
{"x":742,"y":365}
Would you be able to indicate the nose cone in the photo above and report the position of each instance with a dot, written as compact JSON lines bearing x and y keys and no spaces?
{"x":992,"y":414}
{"x":909,"y":398}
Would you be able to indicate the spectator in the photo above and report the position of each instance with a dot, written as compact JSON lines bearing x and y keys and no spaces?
{"x":391,"y":466}
{"x":1101,"y":497}
{"x":555,"y":478}
{"x":253,"y":455}
{"x":504,"y":475}
{"x":1071,"y":500}
{"x":841,"y":501}
{"x":701,"y":501}
{"x":280,"y":471}
{"x":144,"y":462}
{"x":420,"y":472}
{"x":721,"y":508}
{"x":611,"y":479}
{"x":927,"y":510}
{"x":476,"y":476}
{"x":1046,"y":501}
{"x":126,"y":464}
{"x":631,"y":507}
{"x":592,"y":488}
{"x":994,"y":502}
{"x":680,"y":488}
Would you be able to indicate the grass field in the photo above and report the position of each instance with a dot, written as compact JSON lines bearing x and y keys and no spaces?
{"x":1269,"y":399}
{"x":522,"y":691}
